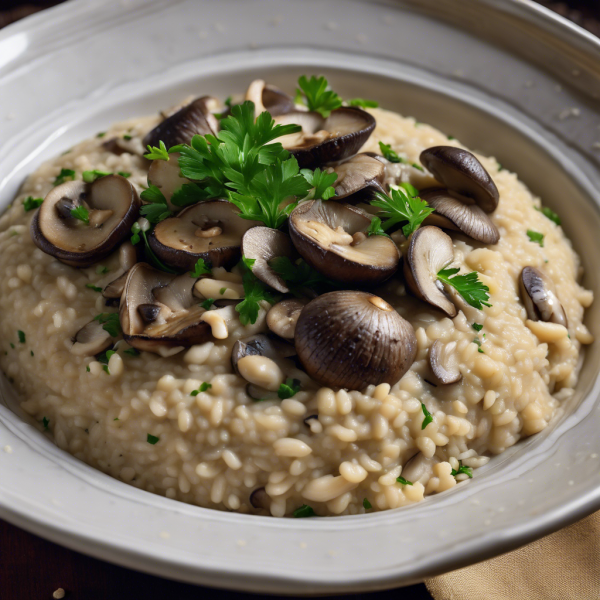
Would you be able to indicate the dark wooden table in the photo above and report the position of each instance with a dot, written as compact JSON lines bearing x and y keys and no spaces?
{"x":32,"y":568}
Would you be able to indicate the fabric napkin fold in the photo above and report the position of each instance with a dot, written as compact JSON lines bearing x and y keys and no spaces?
{"x":564,"y":565}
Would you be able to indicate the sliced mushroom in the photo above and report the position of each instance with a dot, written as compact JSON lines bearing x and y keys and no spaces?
{"x":91,"y":339}
{"x":263,"y":244}
{"x":445,"y":361}
{"x":210,"y":230}
{"x":539,"y":297}
{"x":463,"y":175}
{"x":353,"y":339}
{"x":429,"y":251}
{"x":165,"y":175}
{"x":283,"y":316}
{"x":336,"y":138}
{"x":193,"y":119}
{"x":453,"y":214}
{"x":158,"y":311}
{"x":359,"y":178}
{"x":269,"y":98}
{"x":331,"y":237}
{"x":260,"y":499}
{"x":128,"y":256}
{"x":113,"y":206}
{"x":114,"y":289}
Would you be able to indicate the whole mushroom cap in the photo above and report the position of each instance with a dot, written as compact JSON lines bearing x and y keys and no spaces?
{"x":352,"y":339}
{"x":463,"y":175}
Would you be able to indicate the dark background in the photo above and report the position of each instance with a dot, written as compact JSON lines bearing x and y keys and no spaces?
{"x":32,"y":568}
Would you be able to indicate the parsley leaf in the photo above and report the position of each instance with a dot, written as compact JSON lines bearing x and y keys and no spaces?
{"x":125,"y":174}
{"x":204,"y":386}
{"x":300,"y":276}
{"x":428,"y":418}
{"x":81,"y":213}
{"x":189,"y":193}
{"x":375,"y":227}
{"x":304,"y":511}
{"x":91,"y":286}
{"x":316,"y":96}
{"x":362,"y":103}
{"x":468,"y":286}
{"x":461,"y":469}
{"x":536,"y":237}
{"x":288,"y":389}
{"x":366,"y":504}
{"x":152,"y":439}
{"x":254,"y":292}
{"x":158,"y":209}
{"x":21,"y":335}
{"x":32,"y":203}
{"x":548,"y":212}
{"x":100,"y":270}
{"x":200,"y":269}
{"x":63,"y":176}
{"x":393,"y":157}
{"x":91,"y":176}
{"x":110,"y":323}
{"x":207,"y":304}
{"x":160,"y":153}
{"x":477,"y":326}
{"x":321,"y":182}
{"x":132,"y":352}
{"x":45,"y":423}
{"x":405,"y":481}
{"x":401,"y":207}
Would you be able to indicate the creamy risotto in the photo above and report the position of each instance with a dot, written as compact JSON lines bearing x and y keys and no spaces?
{"x":404,"y":309}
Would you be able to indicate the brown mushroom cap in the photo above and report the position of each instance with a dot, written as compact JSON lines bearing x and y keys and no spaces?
{"x":331,"y":238}
{"x":193,"y":119}
{"x":263,"y":244}
{"x":269,"y":98}
{"x":453,"y":214}
{"x":540,"y":298}
{"x":359,"y":178}
{"x":283,"y":316}
{"x":429,"y":251}
{"x":463,"y":175}
{"x":352,"y":339}
{"x":176,"y":323}
{"x":445,"y":361}
{"x":339,"y":136}
{"x":113,"y":206}
{"x":210,"y":230}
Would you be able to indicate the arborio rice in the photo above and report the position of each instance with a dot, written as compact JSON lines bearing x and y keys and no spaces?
{"x":143,"y":419}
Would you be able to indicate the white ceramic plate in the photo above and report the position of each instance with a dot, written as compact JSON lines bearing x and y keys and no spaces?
{"x":71,"y":71}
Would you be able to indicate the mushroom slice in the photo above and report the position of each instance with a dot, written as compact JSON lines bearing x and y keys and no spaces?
{"x":165,"y":175}
{"x":444,"y":361}
{"x":260,"y":499}
{"x":429,"y":251}
{"x":359,"y":178}
{"x":269,"y":98}
{"x":157,"y":325}
{"x":91,"y":339}
{"x":112,"y":205}
{"x":193,"y":119}
{"x":453,"y":214}
{"x":339,"y":136}
{"x":463,"y":175}
{"x":539,"y":297}
{"x":210,"y":230}
{"x":115,"y":288}
{"x":331,"y":237}
{"x":283,"y":316}
{"x":263,"y":244}
{"x":353,"y":339}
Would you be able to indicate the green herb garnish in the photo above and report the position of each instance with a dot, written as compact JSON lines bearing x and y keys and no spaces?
{"x":45,"y":423}
{"x":461,"y":469}
{"x":367,"y":504}
{"x":100,"y":270}
{"x":158,"y":209}
{"x":548,"y":212}
{"x":204,"y":386}
{"x":406,"y":481}
{"x":21,"y":335}
{"x":314,"y":93}
{"x":536,"y":237}
{"x":110,"y":323}
{"x":125,"y":174}
{"x":200,"y":269}
{"x":152,"y":439}
{"x":160,"y":153}
{"x":468,"y":286}
{"x":81,"y":213}
{"x":477,"y":326}
{"x":254,"y":292}
{"x":399,"y":207}
{"x":32,"y":203}
{"x":304,"y":511}
{"x":91,"y":176}
{"x":428,"y":418}
{"x":127,"y":137}
{"x":288,"y":389}
{"x":300,"y":276}
{"x":101,"y":134}
{"x":91,"y":286}
{"x":131,"y":352}
{"x":63,"y":176}
{"x":207,"y":304}
{"x":362,"y":103}
{"x":321,"y":182}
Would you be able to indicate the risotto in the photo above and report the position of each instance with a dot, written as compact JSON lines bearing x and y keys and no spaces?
{"x":338,"y":312}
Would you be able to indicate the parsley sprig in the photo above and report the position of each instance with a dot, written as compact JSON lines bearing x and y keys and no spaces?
{"x":158,"y":209}
{"x":288,"y":389}
{"x":550,"y":214}
{"x":314,"y":94}
{"x":200,"y":268}
{"x":160,"y":153}
{"x":81,"y":213}
{"x":110,"y":323}
{"x":462,"y":469}
{"x":468,"y":286}
{"x":254,"y":292}
{"x":32,"y":203}
{"x":321,"y":182}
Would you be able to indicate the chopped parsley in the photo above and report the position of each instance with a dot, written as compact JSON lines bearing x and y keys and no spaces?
{"x":536,"y":237}
{"x":549,"y":213}
{"x":160,"y":153}
{"x":157,"y":209}
{"x":32,"y":203}
{"x":63,"y":176}
{"x":100,"y":270}
{"x":127,"y":137}
{"x":45,"y":423}
{"x":31,"y":352}
{"x":406,"y":481}
{"x":81,"y":213}
{"x":152,"y":439}
{"x":12,"y":345}
{"x":288,"y":389}
{"x":477,"y":326}
{"x":116,"y":419}
{"x":314,"y":94}
{"x":91,"y":176}
{"x":367,"y":504}
{"x":87,"y":369}
{"x":393,"y":157}
{"x":304,"y":511}
{"x":101,"y":134}
{"x":204,"y":386}
{"x":362,"y":103}
{"x":207,"y":304}
{"x":110,"y":323}
{"x":131,"y":352}
{"x":468,"y":286}
{"x":222,"y":290}
{"x":477,"y":341}
{"x":21,"y":335}
{"x":125,"y":174}
{"x":91,"y":286}
{"x":462,"y":469}
{"x":403,"y":205}
{"x":451,"y":137}
{"x":254,"y":292}
{"x":321,"y":182}
{"x":200,"y":269}
{"x":428,"y":418}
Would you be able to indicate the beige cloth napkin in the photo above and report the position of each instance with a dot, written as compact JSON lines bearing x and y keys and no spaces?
{"x":562,"y":566}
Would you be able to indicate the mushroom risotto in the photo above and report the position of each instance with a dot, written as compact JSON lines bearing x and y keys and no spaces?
{"x":287,"y":306}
